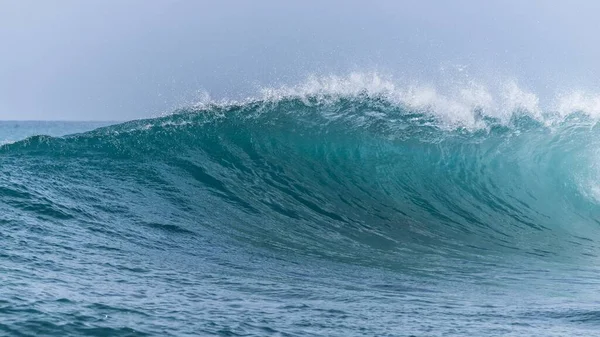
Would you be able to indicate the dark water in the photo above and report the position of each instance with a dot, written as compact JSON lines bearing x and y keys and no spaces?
{"x":301,"y":217}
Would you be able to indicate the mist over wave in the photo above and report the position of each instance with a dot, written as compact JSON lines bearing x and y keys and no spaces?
{"x":455,"y":101}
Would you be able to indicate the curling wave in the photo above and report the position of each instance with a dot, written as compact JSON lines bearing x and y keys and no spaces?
{"x":332,"y":169}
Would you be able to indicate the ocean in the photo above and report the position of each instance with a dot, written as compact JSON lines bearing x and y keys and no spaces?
{"x":305,"y":213}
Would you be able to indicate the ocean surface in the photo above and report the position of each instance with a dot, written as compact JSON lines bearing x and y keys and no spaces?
{"x":322,"y":212}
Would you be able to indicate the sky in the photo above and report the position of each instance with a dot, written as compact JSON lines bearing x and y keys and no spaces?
{"x":129,"y":59}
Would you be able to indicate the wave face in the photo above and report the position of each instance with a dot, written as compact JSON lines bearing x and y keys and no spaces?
{"x":328,"y":213}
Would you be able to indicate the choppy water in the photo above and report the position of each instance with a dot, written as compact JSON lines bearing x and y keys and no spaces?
{"x":326,"y":214}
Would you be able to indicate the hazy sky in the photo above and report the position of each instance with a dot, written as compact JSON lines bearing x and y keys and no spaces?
{"x":124,"y":59}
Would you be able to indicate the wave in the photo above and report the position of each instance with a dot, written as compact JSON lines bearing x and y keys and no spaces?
{"x":334,"y":168}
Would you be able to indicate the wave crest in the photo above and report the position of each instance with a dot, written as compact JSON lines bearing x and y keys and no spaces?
{"x":338,"y":173}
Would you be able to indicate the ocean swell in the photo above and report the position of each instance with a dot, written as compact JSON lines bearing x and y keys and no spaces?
{"x":335,"y":172}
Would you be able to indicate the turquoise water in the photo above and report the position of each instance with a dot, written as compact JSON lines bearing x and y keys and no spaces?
{"x":347,"y":216}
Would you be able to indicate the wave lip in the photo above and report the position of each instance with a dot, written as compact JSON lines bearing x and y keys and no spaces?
{"x":454,"y":103}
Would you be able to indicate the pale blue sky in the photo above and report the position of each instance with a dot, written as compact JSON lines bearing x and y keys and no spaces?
{"x":125,"y":59}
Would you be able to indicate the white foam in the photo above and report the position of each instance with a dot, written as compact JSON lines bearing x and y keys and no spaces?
{"x":515,"y":98}
{"x":461,"y":104}
{"x":455,"y":103}
{"x":578,"y":101}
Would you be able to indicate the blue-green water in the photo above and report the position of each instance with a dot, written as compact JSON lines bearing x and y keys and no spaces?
{"x":351,"y":216}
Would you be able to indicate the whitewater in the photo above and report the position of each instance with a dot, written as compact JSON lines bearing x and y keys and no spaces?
{"x":341,"y":206}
